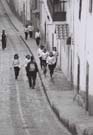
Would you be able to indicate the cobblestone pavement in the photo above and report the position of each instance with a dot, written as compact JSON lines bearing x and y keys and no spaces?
{"x":23,"y":111}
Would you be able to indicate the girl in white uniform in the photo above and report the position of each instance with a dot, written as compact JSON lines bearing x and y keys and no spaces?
{"x":44,"y":60}
{"x":55,"y":53}
{"x":51,"y":63}
{"x":16,"y":65}
{"x":37,"y":37}
{"x":27,"y":60}
{"x":39,"y":53}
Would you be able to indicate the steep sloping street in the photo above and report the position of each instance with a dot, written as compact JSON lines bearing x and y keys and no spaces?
{"x":54,"y":106}
{"x":23,"y":111}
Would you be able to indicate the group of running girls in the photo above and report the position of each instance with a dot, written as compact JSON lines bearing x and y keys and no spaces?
{"x":47,"y":59}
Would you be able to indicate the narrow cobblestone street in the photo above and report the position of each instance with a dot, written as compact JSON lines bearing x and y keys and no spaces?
{"x":23,"y":111}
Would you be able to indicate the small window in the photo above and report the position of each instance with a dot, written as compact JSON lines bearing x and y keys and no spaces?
{"x":60,"y":6}
{"x":90,"y":5}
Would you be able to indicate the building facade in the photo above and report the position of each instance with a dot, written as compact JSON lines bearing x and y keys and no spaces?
{"x":68,"y":26}
{"x":55,"y":28}
{"x":82,"y":29}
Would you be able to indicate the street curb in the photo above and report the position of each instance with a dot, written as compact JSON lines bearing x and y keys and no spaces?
{"x":71,"y":127}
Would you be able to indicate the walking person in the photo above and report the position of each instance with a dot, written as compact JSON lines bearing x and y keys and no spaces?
{"x":44,"y":61}
{"x":3,"y":39}
{"x":55,"y":53}
{"x":32,"y":72}
{"x":30,"y":29}
{"x":39,"y":53}
{"x":27,"y":60}
{"x":37,"y":37}
{"x":16,"y":65}
{"x":51,"y":63}
{"x":26,"y":32}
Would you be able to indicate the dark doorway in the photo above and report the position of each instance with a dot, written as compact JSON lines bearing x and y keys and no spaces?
{"x":87,"y":86}
{"x":78,"y":76}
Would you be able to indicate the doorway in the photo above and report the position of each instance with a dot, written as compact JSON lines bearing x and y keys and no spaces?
{"x":87,"y":86}
{"x":78,"y":76}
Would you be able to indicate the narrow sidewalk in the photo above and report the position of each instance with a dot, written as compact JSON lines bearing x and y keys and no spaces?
{"x":60,"y":95}
{"x":59,"y":92}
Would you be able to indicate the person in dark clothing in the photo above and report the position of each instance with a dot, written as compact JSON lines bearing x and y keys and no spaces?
{"x":26,"y":32}
{"x":32,"y":70}
{"x":3,"y":39}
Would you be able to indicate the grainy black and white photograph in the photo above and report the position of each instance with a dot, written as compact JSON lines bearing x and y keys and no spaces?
{"x":46,"y":67}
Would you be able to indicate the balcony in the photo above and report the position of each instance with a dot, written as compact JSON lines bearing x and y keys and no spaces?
{"x":57,"y":9}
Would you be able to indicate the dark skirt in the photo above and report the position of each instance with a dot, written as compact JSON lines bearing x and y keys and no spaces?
{"x":38,"y":41}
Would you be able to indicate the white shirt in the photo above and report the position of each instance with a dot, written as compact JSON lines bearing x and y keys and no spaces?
{"x":55,"y":53}
{"x":51,"y":60}
{"x":16,"y":63}
{"x":39,"y":52}
{"x":45,"y":55}
{"x":37,"y":34}
{"x":25,"y":29}
{"x":30,"y":28}
{"x":26,"y":61}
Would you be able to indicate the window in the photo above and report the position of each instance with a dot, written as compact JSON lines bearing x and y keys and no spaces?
{"x":80,"y":9}
{"x":59,"y":6}
{"x":90,"y":5}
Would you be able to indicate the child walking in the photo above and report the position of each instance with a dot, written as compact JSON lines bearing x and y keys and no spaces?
{"x":51,"y":63}
{"x":27,"y":60}
{"x":37,"y":37}
{"x":16,"y":65}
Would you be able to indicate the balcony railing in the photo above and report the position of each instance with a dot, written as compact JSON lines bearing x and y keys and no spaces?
{"x":57,"y":9}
